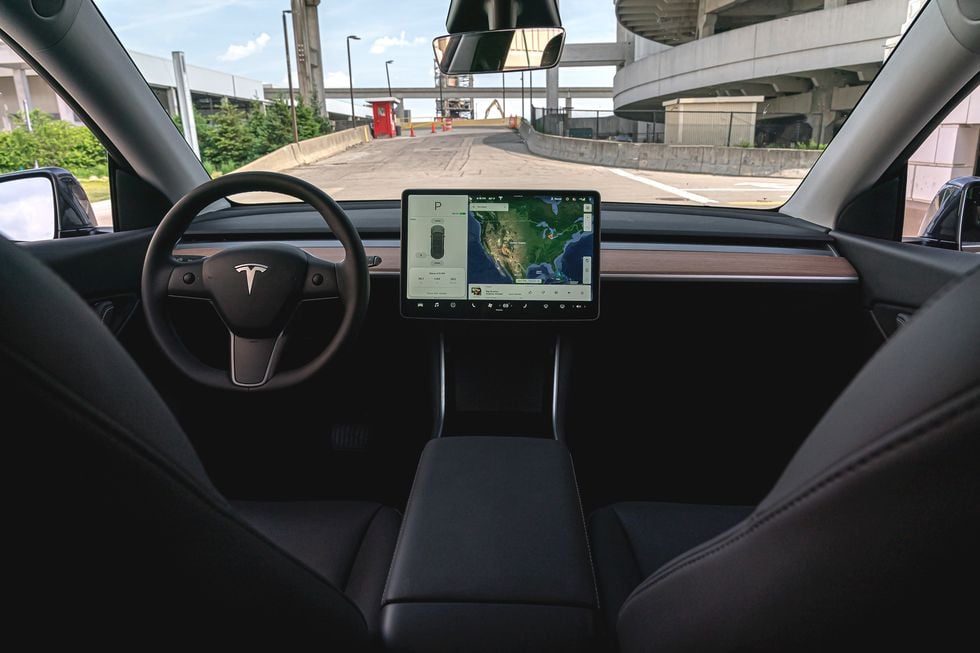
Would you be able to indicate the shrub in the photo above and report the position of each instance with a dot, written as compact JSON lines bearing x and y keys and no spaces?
{"x":51,"y":143}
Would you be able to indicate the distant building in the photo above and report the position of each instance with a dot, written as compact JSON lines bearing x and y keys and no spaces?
{"x":20,"y":86}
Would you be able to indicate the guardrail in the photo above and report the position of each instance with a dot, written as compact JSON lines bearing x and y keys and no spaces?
{"x":724,"y":128}
{"x":309,"y":151}
{"x":704,"y":159}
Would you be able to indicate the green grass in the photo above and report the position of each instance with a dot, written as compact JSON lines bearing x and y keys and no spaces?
{"x":96,"y":189}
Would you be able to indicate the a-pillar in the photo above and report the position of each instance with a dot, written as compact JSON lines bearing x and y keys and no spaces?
{"x":551,"y":93}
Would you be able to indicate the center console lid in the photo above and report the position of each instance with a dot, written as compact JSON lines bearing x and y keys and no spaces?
{"x":493,"y":553}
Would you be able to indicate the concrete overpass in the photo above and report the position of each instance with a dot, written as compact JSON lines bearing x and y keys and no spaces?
{"x":573,"y":55}
{"x":429,"y":93}
{"x":817,"y":58}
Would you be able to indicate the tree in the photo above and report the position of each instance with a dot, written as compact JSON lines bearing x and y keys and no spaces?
{"x":271,"y":129}
{"x":226,"y":141}
{"x":309,"y":122}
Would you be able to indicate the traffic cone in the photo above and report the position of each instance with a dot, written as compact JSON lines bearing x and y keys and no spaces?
{"x":433,"y":126}
{"x":412,"y":129}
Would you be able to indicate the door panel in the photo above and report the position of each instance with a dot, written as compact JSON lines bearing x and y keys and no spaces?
{"x":898,"y":278}
{"x":104,"y":269}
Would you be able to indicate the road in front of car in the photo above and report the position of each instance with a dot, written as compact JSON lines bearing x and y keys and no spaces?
{"x":497,"y":158}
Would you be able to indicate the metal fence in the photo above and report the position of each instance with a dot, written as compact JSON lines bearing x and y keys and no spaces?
{"x":340,"y":125}
{"x":726,"y":128}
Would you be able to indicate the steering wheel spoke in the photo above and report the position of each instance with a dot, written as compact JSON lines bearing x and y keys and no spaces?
{"x":187,"y":279}
{"x":321,"y":280}
{"x":254,"y":360}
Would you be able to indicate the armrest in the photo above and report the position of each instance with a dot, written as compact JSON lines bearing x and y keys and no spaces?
{"x":493,"y":552}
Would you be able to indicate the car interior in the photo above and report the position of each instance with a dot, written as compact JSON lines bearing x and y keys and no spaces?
{"x":257,"y":424}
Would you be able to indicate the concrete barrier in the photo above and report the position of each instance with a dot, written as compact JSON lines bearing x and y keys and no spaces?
{"x":309,"y":151}
{"x":704,"y":159}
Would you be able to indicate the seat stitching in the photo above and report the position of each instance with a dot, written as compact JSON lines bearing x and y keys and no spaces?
{"x":946,"y":415}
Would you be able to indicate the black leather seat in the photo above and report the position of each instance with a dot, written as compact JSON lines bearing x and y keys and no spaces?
{"x":117,"y":534}
{"x":632,"y":540}
{"x":867,"y":541}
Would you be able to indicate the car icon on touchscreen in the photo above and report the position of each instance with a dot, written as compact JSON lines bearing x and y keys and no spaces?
{"x":437,"y":241}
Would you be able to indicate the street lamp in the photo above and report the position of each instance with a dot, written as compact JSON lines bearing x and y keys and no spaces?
{"x":350,"y":76}
{"x":289,"y":75}
{"x":388,"y":75}
{"x":503,"y":93}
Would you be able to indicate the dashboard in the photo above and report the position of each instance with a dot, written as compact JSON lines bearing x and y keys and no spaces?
{"x":640,"y":243}
{"x":500,"y":254}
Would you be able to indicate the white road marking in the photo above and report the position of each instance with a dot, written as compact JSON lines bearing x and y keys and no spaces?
{"x":701,"y":199}
{"x":777,"y":191}
{"x":768,"y":185}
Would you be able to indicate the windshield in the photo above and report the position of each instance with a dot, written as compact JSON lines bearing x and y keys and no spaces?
{"x":708,"y":107}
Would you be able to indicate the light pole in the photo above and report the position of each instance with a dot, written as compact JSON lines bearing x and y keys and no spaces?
{"x":289,"y":75}
{"x":388,"y":75}
{"x":503,"y":93}
{"x":350,"y":76}
{"x":442,"y":104}
{"x":522,"y":94}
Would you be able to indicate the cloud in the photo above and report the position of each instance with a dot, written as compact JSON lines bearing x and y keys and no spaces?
{"x":254,"y":46}
{"x":336,"y":80}
{"x":152,"y":15}
{"x":385,"y":42}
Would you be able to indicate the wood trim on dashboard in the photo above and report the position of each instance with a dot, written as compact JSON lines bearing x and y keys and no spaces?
{"x":630,"y":263}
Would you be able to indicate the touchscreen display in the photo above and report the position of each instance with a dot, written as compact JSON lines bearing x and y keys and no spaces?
{"x":500,"y":254}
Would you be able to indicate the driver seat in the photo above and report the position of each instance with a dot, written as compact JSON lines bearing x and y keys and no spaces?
{"x":120,"y":537}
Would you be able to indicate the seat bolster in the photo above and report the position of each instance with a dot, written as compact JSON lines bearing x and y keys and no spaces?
{"x":631,"y":540}
{"x":349,"y":543}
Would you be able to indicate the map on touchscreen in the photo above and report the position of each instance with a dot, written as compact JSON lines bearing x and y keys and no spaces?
{"x":540,"y":239}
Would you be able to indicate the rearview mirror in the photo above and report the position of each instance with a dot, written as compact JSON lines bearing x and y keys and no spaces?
{"x":968,"y":234}
{"x":506,"y":50}
{"x":28,"y":207}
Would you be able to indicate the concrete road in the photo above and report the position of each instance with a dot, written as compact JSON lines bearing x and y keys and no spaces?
{"x":497,"y":158}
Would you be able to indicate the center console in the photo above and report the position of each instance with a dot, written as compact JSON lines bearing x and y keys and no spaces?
{"x":493,"y":553}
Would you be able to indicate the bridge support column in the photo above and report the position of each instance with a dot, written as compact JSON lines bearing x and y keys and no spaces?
{"x":22,"y":90}
{"x":551,"y":97}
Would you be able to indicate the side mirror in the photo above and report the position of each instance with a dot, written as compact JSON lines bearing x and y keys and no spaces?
{"x":42,"y":204}
{"x":968,"y":231}
{"x":495,"y":51}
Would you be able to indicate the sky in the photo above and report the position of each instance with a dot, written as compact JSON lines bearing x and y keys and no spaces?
{"x":244,"y":37}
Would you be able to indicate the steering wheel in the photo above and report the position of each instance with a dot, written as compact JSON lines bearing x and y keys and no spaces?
{"x":255,"y":289}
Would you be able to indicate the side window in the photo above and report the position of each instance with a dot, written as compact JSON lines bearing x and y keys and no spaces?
{"x":951,"y":151}
{"x":53,"y":170}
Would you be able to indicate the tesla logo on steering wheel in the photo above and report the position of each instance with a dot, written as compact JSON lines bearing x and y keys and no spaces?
{"x":250,"y":269}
